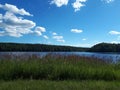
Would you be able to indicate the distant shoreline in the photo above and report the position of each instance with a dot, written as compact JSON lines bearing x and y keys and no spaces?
{"x":22,"y":47}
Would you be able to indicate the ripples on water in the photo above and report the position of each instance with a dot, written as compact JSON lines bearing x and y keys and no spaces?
{"x":24,"y":55}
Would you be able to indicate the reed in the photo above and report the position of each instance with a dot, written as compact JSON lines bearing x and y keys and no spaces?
{"x":58,"y":67}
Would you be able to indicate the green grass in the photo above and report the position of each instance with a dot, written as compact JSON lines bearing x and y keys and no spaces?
{"x":59,"y":85}
{"x":58,"y":72}
{"x":59,"y":67}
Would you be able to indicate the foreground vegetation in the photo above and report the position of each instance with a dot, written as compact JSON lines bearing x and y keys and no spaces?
{"x":58,"y":72}
{"x":58,"y":67}
{"x":59,"y":85}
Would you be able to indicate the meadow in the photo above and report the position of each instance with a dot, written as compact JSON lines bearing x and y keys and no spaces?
{"x":54,"y":69}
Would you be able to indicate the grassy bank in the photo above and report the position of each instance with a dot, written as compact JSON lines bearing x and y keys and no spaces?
{"x":59,"y":85}
{"x":58,"y":67}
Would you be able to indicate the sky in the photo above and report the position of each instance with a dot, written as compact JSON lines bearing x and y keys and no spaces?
{"x":81,"y":23}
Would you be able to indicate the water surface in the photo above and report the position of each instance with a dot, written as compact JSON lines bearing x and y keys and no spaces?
{"x":107,"y":56}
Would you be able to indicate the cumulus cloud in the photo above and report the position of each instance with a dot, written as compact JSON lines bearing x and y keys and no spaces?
{"x":12,"y":25}
{"x":16,"y":26}
{"x":76,"y":31}
{"x":39,"y":30}
{"x":58,"y":38}
{"x":59,"y":3}
{"x":14,"y":9}
{"x":114,"y":33}
{"x":46,"y":37}
{"x":78,"y":4}
{"x":13,"y":20}
{"x":108,"y":1}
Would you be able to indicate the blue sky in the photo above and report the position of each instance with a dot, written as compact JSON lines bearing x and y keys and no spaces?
{"x":60,"y":22}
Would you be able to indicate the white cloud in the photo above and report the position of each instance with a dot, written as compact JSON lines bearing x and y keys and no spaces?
{"x":12,"y":25}
{"x":114,"y":33}
{"x":58,"y":38}
{"x":59,"y":3}
{"x":78,"y":4}
{"x":76,"y":31}
{"x":14,"y":9}
{"x":84,"y":39}
{"x":16,"y":26}
{"x":46,"y":37}
{"x":61,"y":40}
{"x":39,"y":30}
{"x":108,"y":1}
{"x":54,"y":33}
{"x":13,"y":20}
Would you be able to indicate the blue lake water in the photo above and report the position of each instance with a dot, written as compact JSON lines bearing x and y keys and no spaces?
{"x":106,"y":56}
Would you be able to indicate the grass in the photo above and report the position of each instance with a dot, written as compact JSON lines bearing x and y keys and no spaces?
{"x":58,"y":67}
{"x":58,"y":72}
{"x":59,"y":85}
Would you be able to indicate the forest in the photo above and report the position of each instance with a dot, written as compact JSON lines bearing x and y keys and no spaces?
{"x":105,"y":47}
{"x":101,"y":47}
{"x":38,"y":47}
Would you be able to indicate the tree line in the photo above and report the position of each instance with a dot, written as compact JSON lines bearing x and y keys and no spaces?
{"x":38,"y":47}
{"x":101,"y":47}
{"x":105,"y":47}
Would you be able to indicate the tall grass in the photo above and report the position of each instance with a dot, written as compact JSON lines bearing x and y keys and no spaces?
{"x":58,"y":67}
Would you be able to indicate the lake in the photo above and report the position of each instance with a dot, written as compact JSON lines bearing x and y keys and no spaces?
{"x":107,"y":56}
